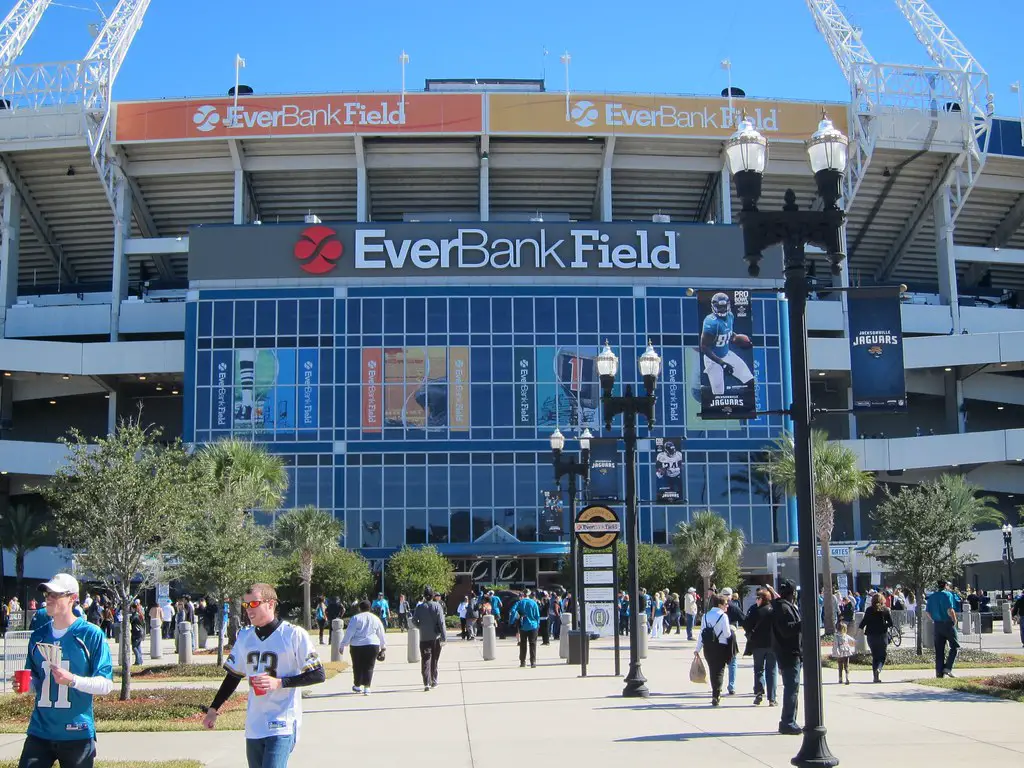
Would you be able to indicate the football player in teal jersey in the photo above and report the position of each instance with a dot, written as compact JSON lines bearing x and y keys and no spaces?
{"x":70,"y":663}
{"x":716,"y":340}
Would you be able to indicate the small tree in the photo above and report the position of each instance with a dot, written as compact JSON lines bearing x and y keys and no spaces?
{"x":708,"y":546}
{"x":656,"y":568}
{"x":309,"y":533}
{"x":22,"y":530}
{"x":343,"y":573}
{"x":221,"y":551}
{"x":409,"y":570}
{"x":920,"y":530}
{"x":836,"y":478}
{"x":119,"y":502}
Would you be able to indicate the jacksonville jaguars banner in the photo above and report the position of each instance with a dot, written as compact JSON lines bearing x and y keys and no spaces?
{"x":727,"y":386}
{"x":876,"y":350}
{"x":604,"y":470}
{"x":668,"y":470}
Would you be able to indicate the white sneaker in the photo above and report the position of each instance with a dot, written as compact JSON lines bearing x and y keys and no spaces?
{"x":357,"y":689}
{"x":366,"y":691}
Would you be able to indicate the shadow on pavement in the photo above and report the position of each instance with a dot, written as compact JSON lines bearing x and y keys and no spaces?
{"x":694,"y":735}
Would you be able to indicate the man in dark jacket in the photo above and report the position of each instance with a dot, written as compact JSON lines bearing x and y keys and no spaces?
{"x":788,"y":650}
{"x":758,"y":626}
{"x":428,"y":617}
{"x":335,"y":610}
{"x":1018,"y":611}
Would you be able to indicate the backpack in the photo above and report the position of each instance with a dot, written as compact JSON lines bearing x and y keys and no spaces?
{"x":707,"y":633}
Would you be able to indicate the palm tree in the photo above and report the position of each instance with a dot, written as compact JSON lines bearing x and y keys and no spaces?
{"x":706,"y":541}
{"x":245,"y":475}
{"x":310,"y":533}
{"x":836,"y":478}
{"x":22,"y":530}
{"x":964,"y":502}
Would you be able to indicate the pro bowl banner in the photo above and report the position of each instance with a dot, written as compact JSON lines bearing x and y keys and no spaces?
{"x":726,"y":349}
{"x":604,"y":469}
{"x":876,"y":350}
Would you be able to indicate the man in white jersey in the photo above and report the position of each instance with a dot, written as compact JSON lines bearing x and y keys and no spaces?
{"x":278,"y":658}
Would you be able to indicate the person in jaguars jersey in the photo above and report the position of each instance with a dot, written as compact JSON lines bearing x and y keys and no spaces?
{"x":669,"y":470}
{"x":716,"y":340}
{"x":62,"y":728}
{"x":278,"y":658}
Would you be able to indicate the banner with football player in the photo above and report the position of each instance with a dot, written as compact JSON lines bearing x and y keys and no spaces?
{"x":727,"y":386}
{"x":668,"y":470}
{"x":876,"y":350}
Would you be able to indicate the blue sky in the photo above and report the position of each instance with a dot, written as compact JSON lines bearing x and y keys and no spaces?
{"x":187,"y":47}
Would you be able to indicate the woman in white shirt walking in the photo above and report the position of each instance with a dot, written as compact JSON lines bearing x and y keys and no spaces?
{"x":716,"y":639}
{"x":366,"y":639}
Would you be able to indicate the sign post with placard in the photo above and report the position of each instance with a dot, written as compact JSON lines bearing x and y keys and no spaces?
{"x":597,"y":527}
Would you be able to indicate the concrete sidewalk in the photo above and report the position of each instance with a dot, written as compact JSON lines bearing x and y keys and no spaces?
{"x":472,"y":719}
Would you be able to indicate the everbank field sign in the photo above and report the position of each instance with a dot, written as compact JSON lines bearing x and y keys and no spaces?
{"x":346,"y":250}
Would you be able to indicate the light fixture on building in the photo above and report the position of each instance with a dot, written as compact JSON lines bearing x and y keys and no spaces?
{"x":821,"y":373}
{"x":1003,"y":365}
{"x":142,"y":378}
{"x":106,"y":396}
{"x":8,"y":373}
{"x":174,"y":391}
{"x":159,"y":387}
{"x":53,"y":402}
{"x":3,"y":471}
{"x":65,"y":377}
{"x":1000,"y":407}
{"x":948,"y":369}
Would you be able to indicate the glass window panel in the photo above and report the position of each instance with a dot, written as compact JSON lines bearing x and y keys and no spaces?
{"x":566,"y":309}
{"x":482,"y":482}
{"x":458,"y":309}
{"x":527,"y":491}
{"x":658,"y":525}
{"x":526,"y":523}
{"x":502,"y":364}
{"x":588,"y":315}
{"x":740,"y":518}
{"x":306,"y":487}
{"x":482,"y":522}
{"x":222,"y":318}
{"x":480,"y":403}
{"x":245,"y":318}
{"x":718,"y":483}
{"x":394,"y":528}
{"x":506,"y":518}
{"x":545,"y":315}
{"x":353,"y":313}
{"x":205,"y":322}
{"x":437,"y":315}
{"x":480,"y":315}
{"x":459,"y":489}
{"x":372,"y":486}
{"x":309,"y":316}
{"x":287,"y":317}
{"x":504,"y":484}
{"x":373,"y":316}
{"x":740,"y":483}
{"x":501,"y":315}
{"x":437,"y":488}
{"x":416,"y":526}
{"x":761,"y":524}
{"x":696,"y":484}
{"x":394,"y":488}
{"x":437,"y":527}
{"x":371,"y":528}
{"x":522,"y":315}
{"x":459,"y":526}
{"x":415,"y":486}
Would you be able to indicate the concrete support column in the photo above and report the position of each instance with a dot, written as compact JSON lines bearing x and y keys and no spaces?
{"x":362,"y":190}
{"x":945,"y":254}
{"x":122,"y":231}
{"x":725,"y":195}
{"x":956,"y":416}
{"x":112,"y":413}
{"x":606,"y":179}
{"x":10,"y":237}
{"x":239,"y":198}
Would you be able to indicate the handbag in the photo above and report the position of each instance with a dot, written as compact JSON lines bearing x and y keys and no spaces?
{"x":698,"y":672}
{"x":380,"y":655}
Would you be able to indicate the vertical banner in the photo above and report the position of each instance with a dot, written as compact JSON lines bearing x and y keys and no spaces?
{"x":579,"y":388}
{"x":876,"y":350}
{"x":547,"y":392}
{"x":726,"y":351}
{"x":309,"y":386}
{"x":673,"y":390}
{"x":373,"y":391}
{"x":276,"y":386}
{"x":222,"y":391}
{"x":604,"y":469}
{"x":668,"y":470}
{"x":552,"y":514}
{"x":458,"y":389}
{"x":526,"y":376}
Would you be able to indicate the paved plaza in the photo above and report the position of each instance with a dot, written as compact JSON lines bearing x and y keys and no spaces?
{"x":495,"y":714}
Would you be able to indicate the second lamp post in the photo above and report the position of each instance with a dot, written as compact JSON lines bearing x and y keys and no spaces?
{"x":567,"y":465}
{"x":630,"y":406}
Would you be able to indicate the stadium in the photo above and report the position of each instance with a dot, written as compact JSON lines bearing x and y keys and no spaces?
{"x":403,"y":294}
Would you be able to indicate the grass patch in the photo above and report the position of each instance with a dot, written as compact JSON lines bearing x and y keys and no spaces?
{"x":156,"y":709}
{"x":1009,"y":687}
{"x":198,"y":673}
{"x":128,"y":764}
{"x":907,"y":658}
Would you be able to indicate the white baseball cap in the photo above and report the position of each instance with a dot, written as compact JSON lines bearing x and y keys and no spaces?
{"x":727,"y":591}
{"x":691,"y":590}
{"x":62,"y":583}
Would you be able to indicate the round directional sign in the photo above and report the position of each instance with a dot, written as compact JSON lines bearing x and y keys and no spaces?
{"x":597,"y":527}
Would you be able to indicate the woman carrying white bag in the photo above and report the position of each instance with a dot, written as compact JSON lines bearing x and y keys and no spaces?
{"x":718,"y":641}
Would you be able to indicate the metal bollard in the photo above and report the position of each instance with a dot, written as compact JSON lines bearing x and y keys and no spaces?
{"x":927,"y":632}
{"x":860,"y":639}
{"x":336,"y":633}
{"x":563,"y":636}
{"x":966,"y":623}
{"x":641,"y":634}
{"x":156,"y":650}
{"x":184,"y":642}
{"x":490,"y":639}
{"x":413,"y":642}
{"x":1007,"y":619}
{"x":203,"y":635}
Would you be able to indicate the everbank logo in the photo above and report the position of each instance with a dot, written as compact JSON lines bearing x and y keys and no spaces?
{"x":584,"y":114}
{"x":349,"y":113}
{"x":668,"y":116}
{"x":319,"y":250}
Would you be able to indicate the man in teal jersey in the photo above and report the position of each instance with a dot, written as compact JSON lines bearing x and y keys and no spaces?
{"x":70,"y":663}
{"x":716,"y":339}
{"x":941,"y":606}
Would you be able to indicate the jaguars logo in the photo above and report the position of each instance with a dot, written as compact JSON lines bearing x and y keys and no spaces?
{"x":875,"y":351}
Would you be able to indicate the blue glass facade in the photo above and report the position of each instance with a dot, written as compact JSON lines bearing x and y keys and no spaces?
{"x":422,"y":414}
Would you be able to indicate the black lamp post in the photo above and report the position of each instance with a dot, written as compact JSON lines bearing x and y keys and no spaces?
{"x":630,"y":406}
{"x":1008,"y":555}
{"x":568,"y":465}
{"x":747,"y":154}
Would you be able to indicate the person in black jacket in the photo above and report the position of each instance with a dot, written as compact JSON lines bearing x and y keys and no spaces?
{"x":335,"y":610}
{"x":758,"y":626}
{"x":875,"y":625}
{"x":788,"y":649}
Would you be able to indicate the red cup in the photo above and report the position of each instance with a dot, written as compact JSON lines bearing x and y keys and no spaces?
{"x":256,"y":689}
{"x":22,"y":681}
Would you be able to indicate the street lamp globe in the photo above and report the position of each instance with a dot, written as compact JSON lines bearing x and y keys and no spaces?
{"x":557,"y":440}
{"x":607,"y":362}
{"x":585,"y":439}
{"x":650,"y":362}
{"x":746,"y":150}
{"x":828,"y":148}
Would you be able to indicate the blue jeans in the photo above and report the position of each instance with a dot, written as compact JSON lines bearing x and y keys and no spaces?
{"x":1021,"y":620}
{"x":765,"y":673}
{"x":689,"y":626}
{"x":271,"y":752}
{"x":790,"y":674}
{"x":733,"y":664}
{"x":945,"y":632}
